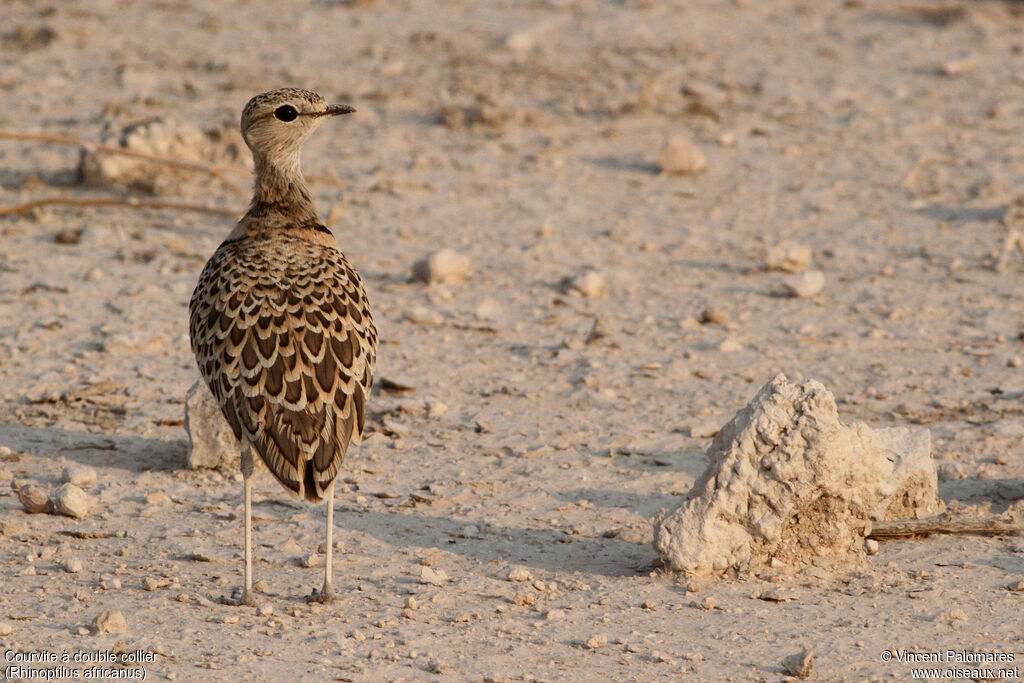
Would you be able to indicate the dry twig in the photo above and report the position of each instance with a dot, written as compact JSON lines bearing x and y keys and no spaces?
{"x":115,"y":201}
{"x":944,"y":524}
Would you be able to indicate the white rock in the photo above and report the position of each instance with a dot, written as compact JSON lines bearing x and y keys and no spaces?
{"x":787,"y":479}
{"x":435,"y":577}
{"x":436,"y":409}
{"x":588,"y":283}
{"x":5,"y":629}
{"x":71,"y":501}
{"x":73,"y":566}
{"x":138,"y":341}
{"x":211,"y":442}
{"x":682,"y":157}
{"x":111,"y":621}
{"x":164,"y":138}
{"x":421,"y":315}
{"x":441,"y":266}
{"x":805,"y":284}
{"x":800,"y":665}
{"x":34,"y":499}
{"x":79,"y":475}
{"x":519,"y":574}
{"x":789,"y":257}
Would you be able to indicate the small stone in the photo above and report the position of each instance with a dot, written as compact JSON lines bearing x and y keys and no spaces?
{"x":959,"y":66}
{"x":111,"y":621}
{"x":73,"y":566}
{"x":953,"y":615}
{"x":311,"y":560}
{"x":703,"y":429}
{"x":71,"y":501}
{"x":34,"y":499}
{"x":10,"y":527}
{"x":681,"y":157}
{"x":553,"y":614}
{"x":436,"y":409}
{"x":290,"y":547}
{"x":5,"y":629}
{"x":265,"y":610}
{"x":1014,"y":362}
{"x":596,"y":641}
{"x":805,"y":284}
{"x":151,"y":584}
{"x":411,"y":603}
{"x":589,"y":284}
{"x":789,"y":257}
{"x":800,"y":664}
{"x":69,"y":236}
{"x":212,"y":443}
{"x":708,"y":604}
{"x":871,"y":546}
{"x":729,"y":345}
{"x":519,"y":574}
{"x":711,"y":316}
{"x":79,"y":475}
{"x":445,"y":265}
{"x":157,"y":498}
{"x":421,"y":315}
{"x":488,"y":309}
{"x":1016,"y":586}
{"x":435,"y":577}
{"x":951,"y":471}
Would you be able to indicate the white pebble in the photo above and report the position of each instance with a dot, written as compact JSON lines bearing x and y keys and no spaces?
{"x":441,"y":266}
{"x":73,"y":566}
{"x":519,"y":574}
{"x":436,"y":577}
{"x":589,"y":284}
{"x":79,"y":475}
{"x":71,"y":501}
{"x":805,"y":284}
{"x":421,"y":315}
{"x":5,"y":630}
{"x":789,"y":257}
{"x":871,"y":546}
{"x":598,"y":641}
{"x":680,"y":156}
{"x":111,"y":621}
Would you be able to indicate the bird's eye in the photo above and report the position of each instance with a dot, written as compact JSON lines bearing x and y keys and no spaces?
{"x":285,"y":112}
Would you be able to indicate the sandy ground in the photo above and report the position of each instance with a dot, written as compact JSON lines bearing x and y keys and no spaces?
{"x":886,"y":136}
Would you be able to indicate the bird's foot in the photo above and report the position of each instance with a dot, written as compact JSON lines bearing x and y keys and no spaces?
{"x":239,"y":598}
{"x":324,"y":596}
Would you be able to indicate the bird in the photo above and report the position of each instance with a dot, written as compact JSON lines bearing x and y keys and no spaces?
{"x":280,"y":324}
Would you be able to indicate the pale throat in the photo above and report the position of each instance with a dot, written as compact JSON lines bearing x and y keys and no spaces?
{"x":280,"y":185}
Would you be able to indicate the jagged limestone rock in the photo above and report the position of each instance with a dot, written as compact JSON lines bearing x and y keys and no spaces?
{"x":786,"y":480}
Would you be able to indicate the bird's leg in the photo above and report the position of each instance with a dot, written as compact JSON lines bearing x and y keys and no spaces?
{"x":326,"y":594}
{"x":248,"y":465}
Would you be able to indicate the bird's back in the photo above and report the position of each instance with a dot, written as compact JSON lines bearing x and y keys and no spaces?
{"x":281,"y":329}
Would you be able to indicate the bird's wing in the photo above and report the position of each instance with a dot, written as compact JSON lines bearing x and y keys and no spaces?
{"x":288,"y":351}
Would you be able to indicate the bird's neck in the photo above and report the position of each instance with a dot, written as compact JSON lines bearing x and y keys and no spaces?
{"x":281,"y":190}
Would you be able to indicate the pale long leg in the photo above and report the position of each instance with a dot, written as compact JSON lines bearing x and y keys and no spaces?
{"x":326,"y":594}
{"x":248,"y":465}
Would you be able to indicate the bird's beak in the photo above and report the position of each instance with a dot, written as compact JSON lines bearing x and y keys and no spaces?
{"x":337,"y":109}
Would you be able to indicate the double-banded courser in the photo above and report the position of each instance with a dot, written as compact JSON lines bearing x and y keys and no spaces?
{"x":280,"y":325}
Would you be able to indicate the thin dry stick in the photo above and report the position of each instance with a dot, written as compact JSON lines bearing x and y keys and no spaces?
{"x":115,"y":201}
{"x":943,"y":524}
{"x":213,"y":169}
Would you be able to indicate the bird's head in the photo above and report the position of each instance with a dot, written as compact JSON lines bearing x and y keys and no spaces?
{"x":276,"y":123}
